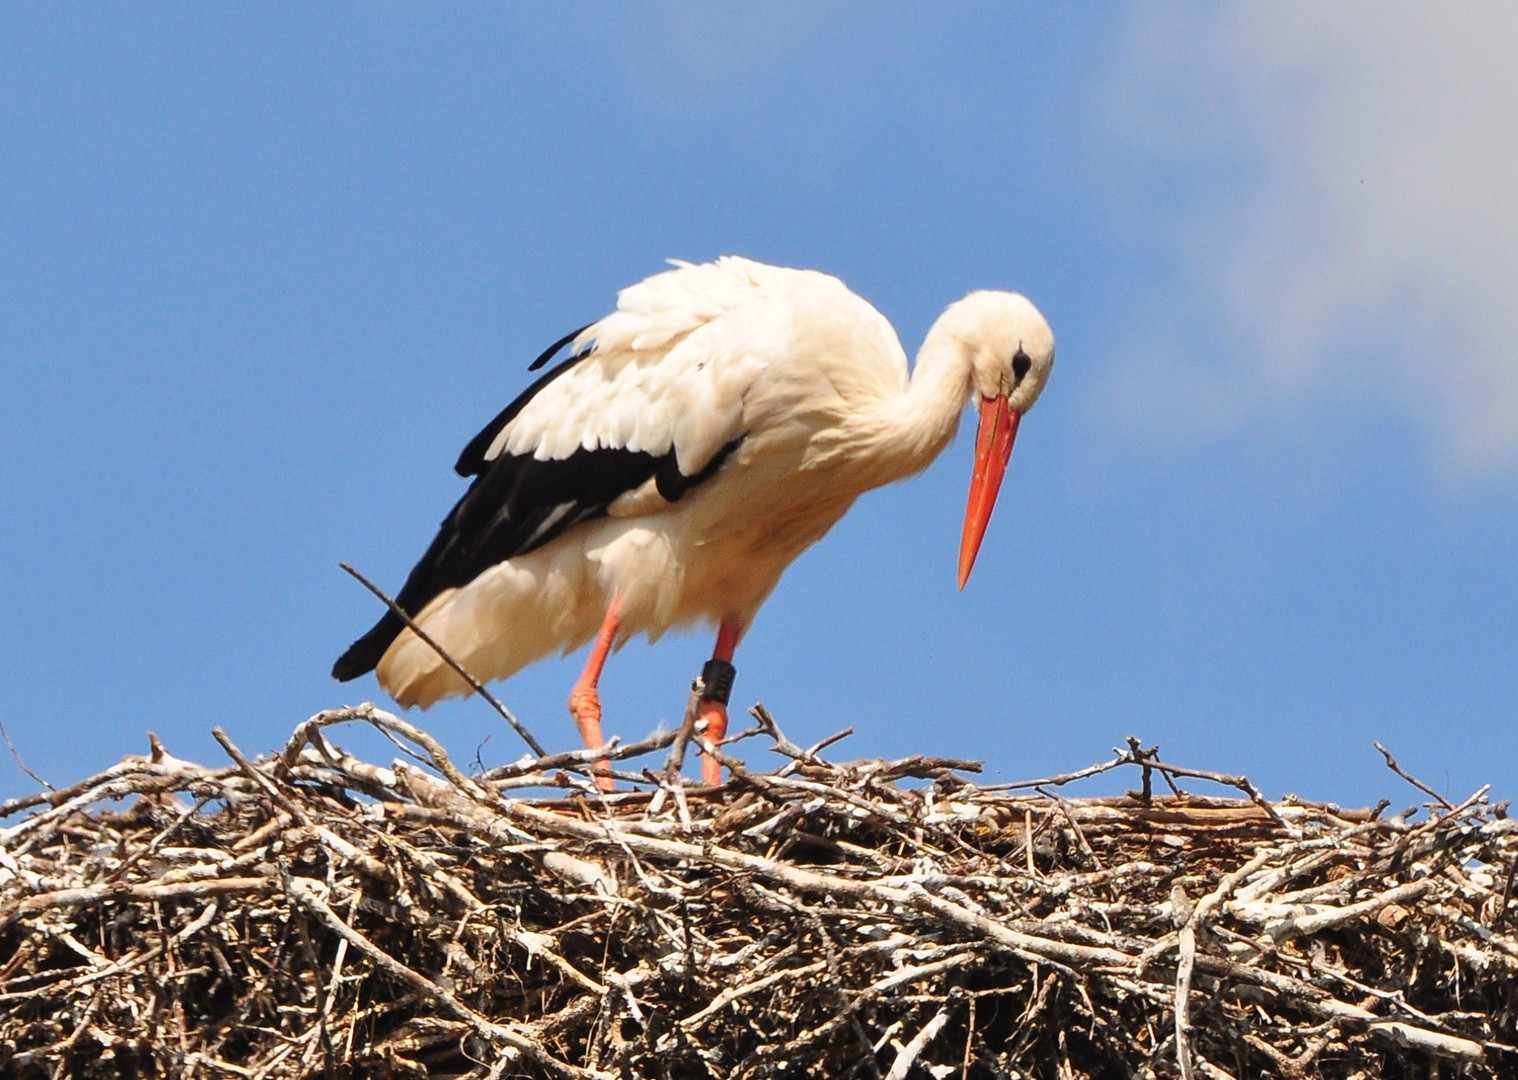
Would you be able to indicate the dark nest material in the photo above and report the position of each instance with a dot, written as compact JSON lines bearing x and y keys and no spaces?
{"x":316,"y":915}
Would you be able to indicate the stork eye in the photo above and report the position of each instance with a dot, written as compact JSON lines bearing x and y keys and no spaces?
{"x":1020,"y":366}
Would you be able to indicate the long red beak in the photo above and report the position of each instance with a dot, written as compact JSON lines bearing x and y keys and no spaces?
{"x":993,"y":449}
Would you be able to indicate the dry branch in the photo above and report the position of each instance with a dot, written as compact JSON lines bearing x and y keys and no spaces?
{"x":312,"y":914}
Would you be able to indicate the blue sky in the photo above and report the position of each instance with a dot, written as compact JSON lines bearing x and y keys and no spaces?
{"x":264,"y":271}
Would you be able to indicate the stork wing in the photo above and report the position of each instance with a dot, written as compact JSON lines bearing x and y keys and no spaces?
{"x":653,"y":393}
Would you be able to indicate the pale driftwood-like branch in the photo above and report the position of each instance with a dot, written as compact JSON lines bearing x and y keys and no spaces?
{"x":316,"y":914}
{"x":902,"y":1066}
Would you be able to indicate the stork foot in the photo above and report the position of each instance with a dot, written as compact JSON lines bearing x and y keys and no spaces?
{"x":714,"y":713}
{"x":585,"y":707}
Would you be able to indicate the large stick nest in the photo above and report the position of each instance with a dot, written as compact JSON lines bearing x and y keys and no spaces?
{"x":316,"y":915}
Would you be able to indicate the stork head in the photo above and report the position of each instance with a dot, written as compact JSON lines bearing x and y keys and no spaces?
{"x":1011,"y":351}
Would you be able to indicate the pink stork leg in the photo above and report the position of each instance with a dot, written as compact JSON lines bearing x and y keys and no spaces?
{"x":585,"y":701}
{"x":717,"y":681}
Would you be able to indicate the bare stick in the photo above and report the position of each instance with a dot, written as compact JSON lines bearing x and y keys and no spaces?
{"x":258,"y":777}
{"x":669,"y":779}
{"x":1507,"y":895}
{"x":21,"y":764}
{"x":766,"y":721}
{"x":877,"y":907}
{"x":458,"y":668}
{"x":1186,"y":958}
{"x":1143,"y":757}
{"x":676,"y":760}
{"x":913,"y":1050}
{"x":24,"y":802}
{"x":1391,"y":763}
{"x":1185,"y":964}
{"x":1149,"y":759}
{"x":390,"y":723}
{"x":1234,"y":780}
{"x":614,"y":750}
{"x":305,"y":894}
{"x":1066,"y":778}
{"x":818,"y":747}
{"x":115,"y":890}
{"x":1080,"y":836}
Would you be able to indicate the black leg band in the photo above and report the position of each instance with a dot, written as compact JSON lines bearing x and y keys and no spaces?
{"x":717,"y":681}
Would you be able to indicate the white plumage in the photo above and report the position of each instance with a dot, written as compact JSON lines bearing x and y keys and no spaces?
{"x":707,"y":431}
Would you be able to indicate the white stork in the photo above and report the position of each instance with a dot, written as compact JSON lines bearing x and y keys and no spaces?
{"x":696,"y":441}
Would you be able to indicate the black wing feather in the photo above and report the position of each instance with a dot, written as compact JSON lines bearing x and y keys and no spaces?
{"x":516,"y":504}
{"x":472,"y":461}
{"x":672,"y":483}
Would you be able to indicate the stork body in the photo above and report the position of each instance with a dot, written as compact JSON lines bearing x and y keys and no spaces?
{"x":698,"y":439}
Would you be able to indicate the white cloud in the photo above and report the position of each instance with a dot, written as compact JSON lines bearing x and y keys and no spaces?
{"x":1352,"y":208}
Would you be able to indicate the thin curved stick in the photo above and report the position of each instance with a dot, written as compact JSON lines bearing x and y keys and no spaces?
{"x":479,"y":687}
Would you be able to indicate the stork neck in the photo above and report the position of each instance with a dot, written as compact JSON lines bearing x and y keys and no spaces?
{"x":927,"y":415}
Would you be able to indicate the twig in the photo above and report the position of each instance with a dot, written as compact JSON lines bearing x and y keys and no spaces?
{"x":1067,"y":778}
{"x":19,"y":763}
{"x":811,"y":752}
{"x":1238,"y":781}
{"x":158,"y":893}
{"x":1186,"y":956}
{"x":675,"y":763}
{"x":1080,"y":836}
{"x":668,"y":780}
{"x":1391,"y":763}
{"x":353,"y":918}
{"x":1507,"y":894}
{"x":766,"y":722}
{"x":458,"y":668}
{"x":913,"y":1050}
{"x":1145,"y":759}
{"x":305,"y":894}
{"x":614,"y":750}
{"x":385,"y":721}
{"x":248,"y":768}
